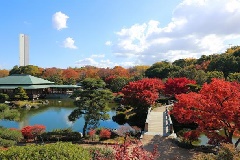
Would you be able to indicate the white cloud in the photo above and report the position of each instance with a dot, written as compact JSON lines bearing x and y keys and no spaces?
{"x":69,"y":43}
{"x":103,"y":63}
{"x":93,"y":62}
{"x":108,"y":43}
{"x":59,"y":20}
{"x":97,"y":56}
{"x":197,"y":27}
{"x":97,"y":61}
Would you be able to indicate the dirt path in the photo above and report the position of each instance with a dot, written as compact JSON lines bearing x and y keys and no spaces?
{"x":167,"y":149}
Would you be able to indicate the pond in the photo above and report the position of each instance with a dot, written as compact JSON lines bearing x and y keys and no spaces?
{"x":55,"y":116}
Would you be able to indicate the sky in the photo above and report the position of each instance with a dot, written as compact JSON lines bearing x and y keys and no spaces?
{"x":108,"y":33}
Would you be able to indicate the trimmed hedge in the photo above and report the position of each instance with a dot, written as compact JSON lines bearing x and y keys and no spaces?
{"x":9,"y":137}
{"x":60,"y":135}
{"x":54,"y":151}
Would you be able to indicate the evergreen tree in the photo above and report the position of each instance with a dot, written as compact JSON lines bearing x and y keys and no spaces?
{"x":91,"y":103}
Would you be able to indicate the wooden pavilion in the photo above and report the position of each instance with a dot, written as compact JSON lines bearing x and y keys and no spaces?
{"x":35,"y":87}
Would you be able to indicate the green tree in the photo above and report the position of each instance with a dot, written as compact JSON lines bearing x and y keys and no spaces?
{"x":161,"y":70}
{"x":21,"y":94}
{"x":234,"y":77}
{"x":15,"y":70}
{"x":29,"y":69}
{"x":184,"y":62}
{"x":118,"y":83}
{"x":191,"y":73}
{"x":92,"y":103}
{"x":3,"y":97}
{"x":227,"y":63}
{"x":214,"y":74}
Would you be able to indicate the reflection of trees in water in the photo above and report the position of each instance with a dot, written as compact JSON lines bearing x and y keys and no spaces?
{"x":61,"y":102}
{"x":55,"y":105}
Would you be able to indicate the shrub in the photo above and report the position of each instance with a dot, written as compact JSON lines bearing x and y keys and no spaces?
{"x":91,"y":133}
{"x":7,"y":143}
{"x":10,"y":134}
{"x":50,"y":151}
{"x":20,"y":94}
{"x":31,"y":132}
{"x":11,"y":114}
{"x":105,"y":134}
{"x":3,"y":107}
{"x":3,"y":97}
{"x":136,"y":152}
{"x":120,"y":118}
{"x":9,"y":137}
{"x":60,"y":136}
{"x":225,"y":152}
{"x":129,"y":151}
{"x":101,"y":153}
{"x":64,"y":130}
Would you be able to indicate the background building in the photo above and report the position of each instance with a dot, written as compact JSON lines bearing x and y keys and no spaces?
{"x":23,"y":50}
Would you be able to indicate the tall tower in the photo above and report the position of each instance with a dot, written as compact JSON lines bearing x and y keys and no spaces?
{"x":23,"y":50}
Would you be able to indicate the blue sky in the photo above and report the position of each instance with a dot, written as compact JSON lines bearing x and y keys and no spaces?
{"x":106,"y":33}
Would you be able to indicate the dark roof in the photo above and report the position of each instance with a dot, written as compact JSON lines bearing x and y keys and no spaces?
{"x":22,"y":79}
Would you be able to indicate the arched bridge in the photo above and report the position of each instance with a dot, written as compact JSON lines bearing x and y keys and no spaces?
{"x":159,"y":122}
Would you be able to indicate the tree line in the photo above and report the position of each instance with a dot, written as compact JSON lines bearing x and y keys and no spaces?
{"x":225,"y":65}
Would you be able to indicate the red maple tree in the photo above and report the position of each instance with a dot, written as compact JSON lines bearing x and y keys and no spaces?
{"x":105,"y":133}
{"x":175,"y":86}
{"x":216,"y":110}
{"x":30,"y":132}
{"x":142,"y":93}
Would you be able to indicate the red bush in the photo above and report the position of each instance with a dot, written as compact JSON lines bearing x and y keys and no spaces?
{"x":91,"y":132}
{"x":30,"y":132}
{"x":105,"y":134}
{"x":130,"y":151}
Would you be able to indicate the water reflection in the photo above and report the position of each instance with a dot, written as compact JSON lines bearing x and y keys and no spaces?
{"x":54,"y":116}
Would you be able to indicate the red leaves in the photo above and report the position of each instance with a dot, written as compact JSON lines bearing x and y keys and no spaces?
{"x":216,"y":107}
{"x":191,"y":136}
{"x":143,"y":92}
{"x":30,"y":132}
{"x":70,"y":73}
{"x":175,"y":86}
{"x":105,"y":134}
{"x":129,"y":151}
{"x":91,"y":132}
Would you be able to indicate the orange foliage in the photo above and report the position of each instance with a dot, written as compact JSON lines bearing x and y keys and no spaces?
{"x":70,"y":73}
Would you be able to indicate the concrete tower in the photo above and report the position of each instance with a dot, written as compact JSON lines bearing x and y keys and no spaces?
{"x":23,"y":50}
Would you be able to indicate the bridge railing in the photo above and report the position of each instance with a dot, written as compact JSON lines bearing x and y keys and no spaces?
{"x":146,"y":123}
{"x":169,"y":120}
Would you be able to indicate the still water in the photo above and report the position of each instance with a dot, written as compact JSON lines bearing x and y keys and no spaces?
{"x":54,"y":116}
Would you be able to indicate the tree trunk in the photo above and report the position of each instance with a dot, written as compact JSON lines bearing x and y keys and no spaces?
{"x":238,"y":141}
{"x":85,"y":128}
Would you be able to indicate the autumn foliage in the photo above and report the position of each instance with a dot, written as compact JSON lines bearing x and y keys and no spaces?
{"x":129,"y":151}
{"x":142,"y":93}
{"x":175,"y":86}
{"x":191,"y":136}
{"x":91,"y":133}
{"x":105,"y":133}
{"x":30,"y":132}
{"x":215,"y":109}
